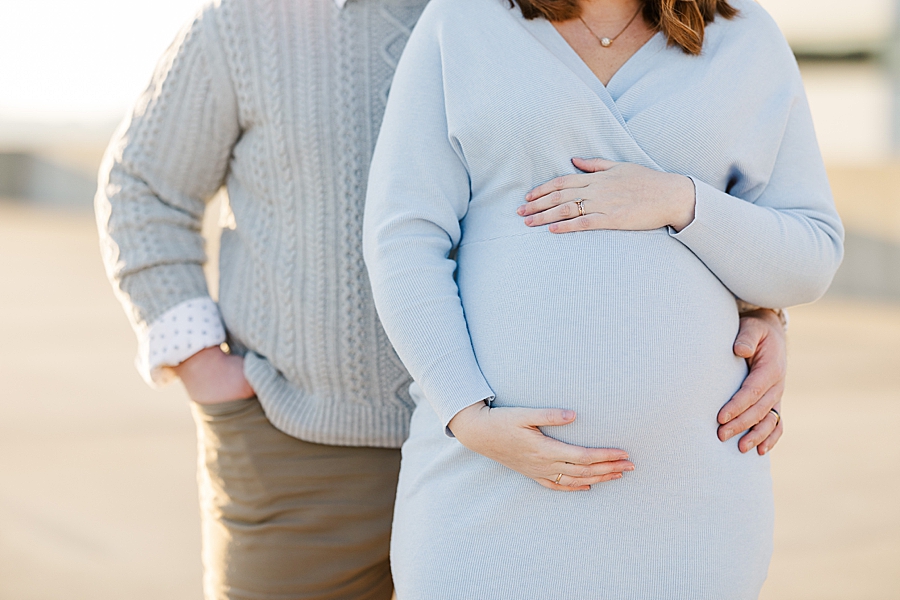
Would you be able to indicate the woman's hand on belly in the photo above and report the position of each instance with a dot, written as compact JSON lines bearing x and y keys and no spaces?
{"x":611,"y":195}
{"x":511,"y":437}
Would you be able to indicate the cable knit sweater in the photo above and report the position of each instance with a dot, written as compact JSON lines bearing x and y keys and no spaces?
{"x":280,"y":101}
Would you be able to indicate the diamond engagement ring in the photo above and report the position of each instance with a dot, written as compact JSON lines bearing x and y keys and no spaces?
{"x":580,"y":204}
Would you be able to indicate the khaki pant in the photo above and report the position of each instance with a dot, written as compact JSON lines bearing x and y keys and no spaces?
{"x":288,"y":519}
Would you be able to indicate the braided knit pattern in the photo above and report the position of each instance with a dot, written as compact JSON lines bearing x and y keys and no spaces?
{"x":280,"y":101}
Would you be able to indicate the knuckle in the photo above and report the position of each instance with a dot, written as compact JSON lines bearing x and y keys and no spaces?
{"x":754,"y":391}
{"x":560,"y":181}
{"x":565,"y":210}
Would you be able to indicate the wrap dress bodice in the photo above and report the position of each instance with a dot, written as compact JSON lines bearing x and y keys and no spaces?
{"x":631,"y":329}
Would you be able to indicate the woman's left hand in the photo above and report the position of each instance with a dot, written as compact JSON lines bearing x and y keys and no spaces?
{"x":612,"y":195}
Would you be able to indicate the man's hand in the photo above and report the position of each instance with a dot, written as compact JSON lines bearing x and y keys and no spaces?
{"x":213,"y":377}
{"x":761,"y":341}
{"x":511,"y":437}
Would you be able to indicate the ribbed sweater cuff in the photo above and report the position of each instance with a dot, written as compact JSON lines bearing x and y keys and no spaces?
{"x":454,"y":383}
{"x":155,"y":290}
{"x":713,"y":231}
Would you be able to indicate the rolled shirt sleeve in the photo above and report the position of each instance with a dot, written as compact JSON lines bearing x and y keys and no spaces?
{"x":175,"y":336}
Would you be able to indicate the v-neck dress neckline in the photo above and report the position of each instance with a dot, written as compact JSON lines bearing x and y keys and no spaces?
{"x":544,"y":31}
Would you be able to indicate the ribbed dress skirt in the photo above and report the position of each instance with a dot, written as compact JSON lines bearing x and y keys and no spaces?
{"x":636,"y":337}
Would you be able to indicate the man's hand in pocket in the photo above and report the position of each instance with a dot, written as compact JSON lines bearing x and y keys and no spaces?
{"x":212,"y":377}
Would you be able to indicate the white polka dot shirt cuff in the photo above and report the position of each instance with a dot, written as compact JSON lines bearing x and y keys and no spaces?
{"x":178,"y":334}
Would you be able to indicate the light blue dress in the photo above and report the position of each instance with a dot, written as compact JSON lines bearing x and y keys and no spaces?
{"x":632,"y":330}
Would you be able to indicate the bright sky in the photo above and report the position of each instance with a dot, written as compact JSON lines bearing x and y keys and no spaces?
{"x":81,"y":60}
{"x":87,"y":60}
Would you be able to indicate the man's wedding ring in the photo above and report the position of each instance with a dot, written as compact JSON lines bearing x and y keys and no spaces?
{"x":558,"y":477}
{"x":580,"y":204}
{"x":777,"y":416}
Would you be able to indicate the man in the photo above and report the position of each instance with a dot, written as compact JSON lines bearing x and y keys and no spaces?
{"x":299,"y":425}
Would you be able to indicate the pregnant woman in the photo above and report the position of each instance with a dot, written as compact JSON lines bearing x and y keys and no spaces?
{"x":706,"y":186}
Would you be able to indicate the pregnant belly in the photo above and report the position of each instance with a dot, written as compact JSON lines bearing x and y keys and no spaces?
{"x":629,"y":329}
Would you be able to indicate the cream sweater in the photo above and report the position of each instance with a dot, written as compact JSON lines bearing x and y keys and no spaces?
{"x":280,"y":101}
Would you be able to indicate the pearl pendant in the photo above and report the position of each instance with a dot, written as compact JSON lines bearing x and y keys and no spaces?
{"x":605,"y":42}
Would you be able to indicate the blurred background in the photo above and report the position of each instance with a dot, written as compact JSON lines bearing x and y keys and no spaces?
{"x":97,"y":492}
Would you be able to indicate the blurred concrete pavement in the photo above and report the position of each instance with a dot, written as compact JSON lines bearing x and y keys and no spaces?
{"x":98,"y":498}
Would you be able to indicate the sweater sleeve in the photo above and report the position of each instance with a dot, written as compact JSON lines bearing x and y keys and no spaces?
{"x":418,"y":192}
{"x":783,"y":248}
{"x":161,"y":168}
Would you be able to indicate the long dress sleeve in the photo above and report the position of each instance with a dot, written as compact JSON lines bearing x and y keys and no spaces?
{"x":162,"y":166}
{"x":417,"y":194}
{"x":784,"y":247}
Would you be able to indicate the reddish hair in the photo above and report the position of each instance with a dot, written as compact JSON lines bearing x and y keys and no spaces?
{"x":682,"y":21}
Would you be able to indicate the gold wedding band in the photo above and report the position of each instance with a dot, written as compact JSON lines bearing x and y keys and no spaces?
{"x":777,"y":416}
{"x":580,"y":204}
{"x":558,"y":477}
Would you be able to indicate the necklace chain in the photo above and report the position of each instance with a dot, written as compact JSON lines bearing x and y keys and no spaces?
{"x":606,"y":42}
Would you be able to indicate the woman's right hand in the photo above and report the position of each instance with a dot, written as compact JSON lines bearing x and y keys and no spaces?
{"x":213,"y":377}
{"x":511,"y":437}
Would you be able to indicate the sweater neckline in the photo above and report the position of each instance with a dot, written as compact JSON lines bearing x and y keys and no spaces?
{"x":619,"y":83}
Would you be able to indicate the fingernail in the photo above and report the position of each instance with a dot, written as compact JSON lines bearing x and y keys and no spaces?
{"x":727,"y":434}
{"x":727,"y":417}
{"x":629,"y":468}
{"x":617,"y":476}
{"x":528,"y":196}
{"x":529,"y":220}
{"x":568,"y":415}
{"x":521,"y":210}
{"x":743,"y":348}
